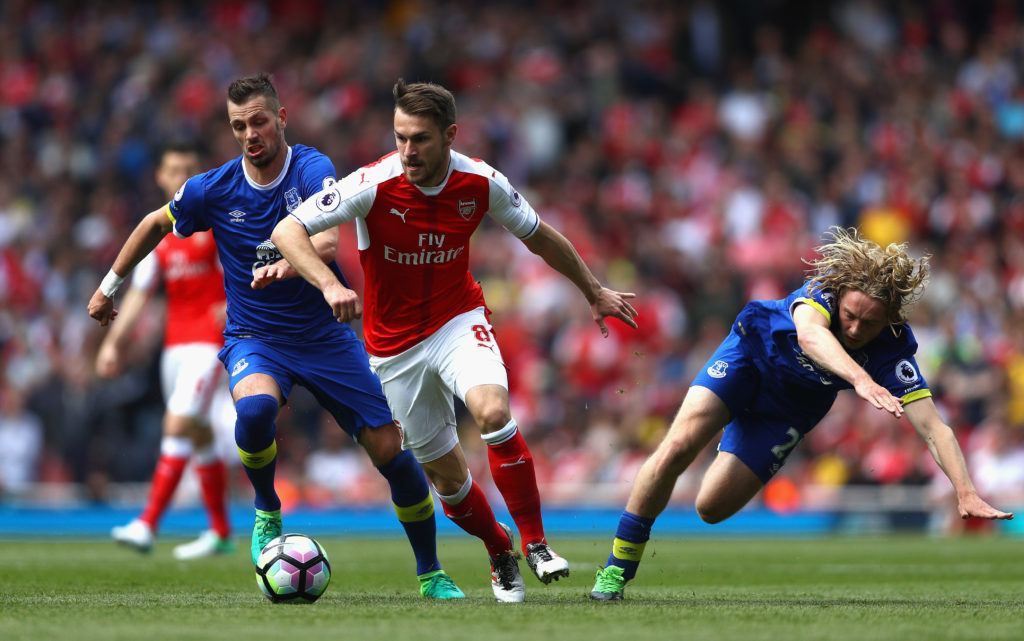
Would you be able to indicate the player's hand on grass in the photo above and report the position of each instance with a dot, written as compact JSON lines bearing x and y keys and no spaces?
{"x":614,"y":304}
{"x":344,"y":302}
{"x":972,"y":505}
{"x":102,"y":308}
{"x":272,"y":273}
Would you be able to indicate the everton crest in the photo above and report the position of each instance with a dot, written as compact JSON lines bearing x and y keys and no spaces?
{"x":292,"y":199}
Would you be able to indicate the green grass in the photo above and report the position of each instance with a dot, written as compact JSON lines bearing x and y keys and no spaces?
{"x":895,"y":588}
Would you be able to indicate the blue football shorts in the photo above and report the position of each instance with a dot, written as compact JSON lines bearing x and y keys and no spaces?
{"x":336,"y":371}
{"x":769,"y":416}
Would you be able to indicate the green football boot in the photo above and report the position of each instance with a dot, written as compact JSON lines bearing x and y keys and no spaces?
{"x":609,"y":585}
{"x":268,"y":527}
{"x":438,"y":585}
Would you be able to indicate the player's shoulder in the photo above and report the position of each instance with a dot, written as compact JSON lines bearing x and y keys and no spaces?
{"x":225,"y":176}
{"x":304,"y":154}
{"x":305,"y":158}
{"x":821,"y":299}
{"x":897,"y":336}
{"x":475,"y":166}
{"x":382,"y":170}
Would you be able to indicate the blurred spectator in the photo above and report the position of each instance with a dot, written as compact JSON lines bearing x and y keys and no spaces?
{"x":21,"y":433}
{"x":689,"y":151}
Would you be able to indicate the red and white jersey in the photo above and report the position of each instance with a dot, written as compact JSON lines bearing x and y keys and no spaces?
{"x":414,"y":242}
{"x":193,"y":285}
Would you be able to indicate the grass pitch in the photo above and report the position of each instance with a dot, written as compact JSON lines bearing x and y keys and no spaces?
{"x":893,"y":588}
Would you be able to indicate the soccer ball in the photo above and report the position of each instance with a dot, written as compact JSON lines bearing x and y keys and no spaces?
{"x":293,"y":568}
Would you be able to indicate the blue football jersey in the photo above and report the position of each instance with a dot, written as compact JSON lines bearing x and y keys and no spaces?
{"x":242,"y":215}
{"x":888,"y":359}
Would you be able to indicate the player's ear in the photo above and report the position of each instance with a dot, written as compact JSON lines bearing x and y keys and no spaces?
{"x":282,"y":117}
{"x":449,"y":134}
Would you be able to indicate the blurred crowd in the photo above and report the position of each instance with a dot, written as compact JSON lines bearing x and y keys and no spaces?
{"x":694,"y":152}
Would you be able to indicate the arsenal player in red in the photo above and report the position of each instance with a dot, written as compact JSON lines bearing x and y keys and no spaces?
{"x":194,"y":388}
{"x":426,"y":323}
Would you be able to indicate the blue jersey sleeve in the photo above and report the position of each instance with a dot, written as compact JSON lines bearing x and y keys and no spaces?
{"x":316,"y":172}
{"x":187,"y":207}
{"x":822,"y":300}
{"x":894,"y":367}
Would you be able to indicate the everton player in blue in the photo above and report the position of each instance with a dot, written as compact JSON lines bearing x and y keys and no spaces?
{"x":282,"y":333}
{"x":777,"y":374}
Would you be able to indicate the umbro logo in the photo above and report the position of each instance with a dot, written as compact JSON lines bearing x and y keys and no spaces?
{"x":400,"y":214}
{"x":237,"y":216}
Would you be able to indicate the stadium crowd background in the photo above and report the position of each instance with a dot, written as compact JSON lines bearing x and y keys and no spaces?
{"x":693,"y":151}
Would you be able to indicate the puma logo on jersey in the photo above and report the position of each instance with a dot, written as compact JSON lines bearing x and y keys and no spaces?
{"x":400,"y":214}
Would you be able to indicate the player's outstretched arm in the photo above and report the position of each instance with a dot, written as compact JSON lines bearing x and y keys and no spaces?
{"x":143,"y":240}
{"x":109,"y":360}
{"x":559,"y":253}
{"x":942,"y":444}
{"x":820,"y":344}
{"x":295,"y":245}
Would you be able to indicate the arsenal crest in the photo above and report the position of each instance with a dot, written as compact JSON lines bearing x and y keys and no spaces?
{"x":467,"y":208}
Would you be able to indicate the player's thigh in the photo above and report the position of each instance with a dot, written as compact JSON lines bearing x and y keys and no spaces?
{"x":338,"y":374}
{"x":701,"y":416}
{"x":255,"y":367}
{"x":727,"y":486}
{"x":422,"y":405}
{"x":467,"y":356}
{"x":190,"y":375}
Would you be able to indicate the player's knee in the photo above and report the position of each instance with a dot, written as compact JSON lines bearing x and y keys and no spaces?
{"x":493,"y":418}
{"x":254,"y":422}
{"x":382,"y":443}
{"x":710,"y":512}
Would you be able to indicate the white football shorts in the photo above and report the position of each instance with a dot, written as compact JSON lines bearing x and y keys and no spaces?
{"x":421,"y":382}
{"x":191,"y":375}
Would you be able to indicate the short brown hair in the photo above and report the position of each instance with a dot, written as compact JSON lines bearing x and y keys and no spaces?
{"x":244,"y":89}
{"x":426,"y":99}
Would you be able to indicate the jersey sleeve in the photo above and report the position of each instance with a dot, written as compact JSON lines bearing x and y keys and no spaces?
{"x":822,"y":300}
{"x":147,"y":273}
{"x":335,"y":204}
{"x":317,"y":174}
{"x":507,"y":206}
{"x":187,"y":207}
{"x":901,"y":375}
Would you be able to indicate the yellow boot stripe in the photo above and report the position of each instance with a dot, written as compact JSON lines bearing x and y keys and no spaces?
{"x":419,"y":512}
{"x":256,"y":460}
{"x":627,"y":550}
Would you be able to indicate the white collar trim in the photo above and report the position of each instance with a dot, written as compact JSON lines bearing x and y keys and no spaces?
{"x":275,"y":182}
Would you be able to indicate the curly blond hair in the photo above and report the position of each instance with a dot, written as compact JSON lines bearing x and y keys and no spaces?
{"x":890,"y":276}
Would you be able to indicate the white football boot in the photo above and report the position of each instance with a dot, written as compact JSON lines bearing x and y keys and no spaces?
{"x":209,"y":543}
{"x":136,"y":535}
{"x":545,"y":563}
{"x":506,"y":581}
